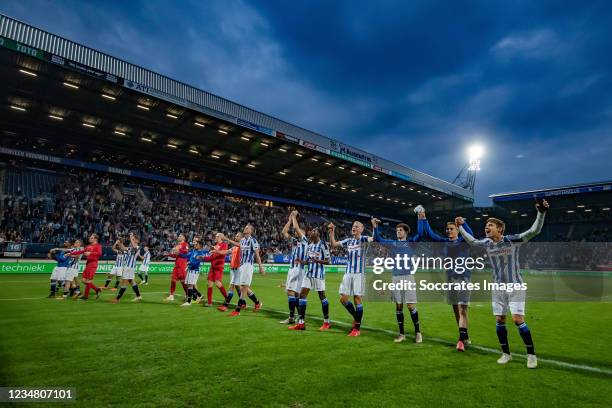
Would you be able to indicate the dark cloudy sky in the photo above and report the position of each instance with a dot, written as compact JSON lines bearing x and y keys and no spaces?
{"x":414,"y":82}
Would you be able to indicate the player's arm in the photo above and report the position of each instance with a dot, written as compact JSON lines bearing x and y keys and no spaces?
{"x":296,"y":225}
{"x":469,"y":238}
{"x":231,"y":241}
{"x":258,"y":259}
{"x":467,"y":228}
{"x":536,"y":228}
{"x":332,"y":236}
{"x":423,"y":224}
{"x":377,"y":237}
{"x":285,"y":230}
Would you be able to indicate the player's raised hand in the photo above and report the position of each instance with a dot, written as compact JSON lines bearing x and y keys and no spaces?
{"x":375,"y":222}
{"x":459,"y":221}
{"x":542,"y":205}
{"x":331,"y":227}
{"x":294,"y":213}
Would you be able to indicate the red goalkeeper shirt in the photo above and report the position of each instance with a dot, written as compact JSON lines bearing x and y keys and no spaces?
{"x":217,"y":261}
{"x":95,"y":252}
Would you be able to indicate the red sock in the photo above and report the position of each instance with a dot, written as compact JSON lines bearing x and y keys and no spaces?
{"x":172,"y":287}
{"x":87,"y":289}
{"x":94,"y":287}
{"x":185,"y":288}
{"x":209,"y":295}
{"x":223,"y":291}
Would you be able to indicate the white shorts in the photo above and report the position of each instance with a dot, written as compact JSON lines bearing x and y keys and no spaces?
{"x":503,"y":302}
{"x":401,"y":296}
{"x":114,"y":270}
{"x":192,"y":277}
{"x":58,"y":273}
{"x":353,"y":284}
{"x":313,"y":284}
{"x":71,"y":273}
{"x":143,"y":268}
{"x":245,"y":273}
{"x":294,"y":279}
{"x":127,"y":273}
{"x":234,"y":277}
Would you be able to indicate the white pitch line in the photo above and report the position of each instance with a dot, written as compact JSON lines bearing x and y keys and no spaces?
{"x":489,"y":350}
{"x":481,"y":348}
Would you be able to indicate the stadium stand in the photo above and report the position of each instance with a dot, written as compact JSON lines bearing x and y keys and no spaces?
{"x":71,"y":204}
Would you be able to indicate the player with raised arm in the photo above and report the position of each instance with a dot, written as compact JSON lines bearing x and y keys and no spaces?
{"x":179,"y":273}
{"x":249,"y":253}
{"x":117,"y":268}
{"x":195,"y":257}
{"x":130,"y":253}
{"x":295,"y":275}
{"x":317,"y":256}
{"x":353,"y":281}
{"x":92,"y":253}
{"x":455,"y":247}
{"x":216,"y":257}
{"x":401,"y":246}
{"x":234,"y":277}
{"x":503,"y":251}
{"x":143,"y":268}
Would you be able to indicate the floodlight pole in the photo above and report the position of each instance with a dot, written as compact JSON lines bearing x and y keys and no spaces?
{"x":467,"y":176}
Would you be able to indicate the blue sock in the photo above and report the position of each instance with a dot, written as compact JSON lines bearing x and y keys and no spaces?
{"x":351,"y":309}
{"x":302,"y":310}
{"x":526,"y":336}
{"x":292,"y":303}
{"x":414,"y":315}
{"x":325,"y":307}
{"x":358,"y":316}
{"x":502,"y":336}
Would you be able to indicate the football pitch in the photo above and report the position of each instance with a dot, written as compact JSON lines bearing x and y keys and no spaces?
{"x":156,"y":353}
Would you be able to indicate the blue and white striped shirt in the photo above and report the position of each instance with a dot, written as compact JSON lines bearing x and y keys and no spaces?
{"x":298,"y":251}
{"x":119,"y":260}
{"x":356,"y":261}
{"x":129,"y":257}
{"x":74,"y":262}
{"x":146,"y":258}
{"x":248,"y":246}
{"x":504,"y":255}
{"x":318,"y":251}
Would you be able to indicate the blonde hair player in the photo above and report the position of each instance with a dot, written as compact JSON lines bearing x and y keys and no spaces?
{"x":353,"y":282}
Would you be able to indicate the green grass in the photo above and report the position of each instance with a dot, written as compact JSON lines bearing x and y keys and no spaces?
{"x":157,"y":354}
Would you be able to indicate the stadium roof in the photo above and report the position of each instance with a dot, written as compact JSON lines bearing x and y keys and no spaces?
{"x":73,"y":100}
{"x":572,"y":189}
